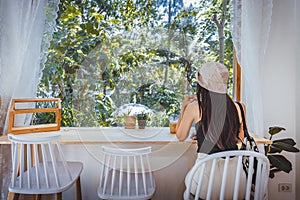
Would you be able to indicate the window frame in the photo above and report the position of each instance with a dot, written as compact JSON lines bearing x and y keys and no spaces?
{"x":237,"y":78}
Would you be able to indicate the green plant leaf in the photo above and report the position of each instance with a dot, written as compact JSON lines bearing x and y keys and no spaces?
{"x":274,"y":149}
{"x":275,"y":129}
{"x":273,"y":171}
{"x":280,"y":162}
{"x":289,"y":141}
{"x":285,"y":147}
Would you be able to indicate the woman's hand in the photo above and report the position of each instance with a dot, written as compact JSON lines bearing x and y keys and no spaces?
{"x":194,"y":136}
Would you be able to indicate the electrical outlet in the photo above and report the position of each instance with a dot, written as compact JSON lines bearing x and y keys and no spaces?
{"x":284,"y":187}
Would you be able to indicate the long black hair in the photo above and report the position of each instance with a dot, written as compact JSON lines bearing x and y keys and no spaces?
{"x":220,"y":120}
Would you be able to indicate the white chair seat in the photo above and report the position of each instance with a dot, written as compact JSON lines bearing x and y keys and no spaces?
{"x":39,"y":167}
{"x":126,"y":174}
{"x":75,"y":169}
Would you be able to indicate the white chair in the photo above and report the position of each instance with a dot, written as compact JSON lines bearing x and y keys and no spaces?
{"x":221,"y":176}
{"x":126,"y":174}
{"x":39,"y":167}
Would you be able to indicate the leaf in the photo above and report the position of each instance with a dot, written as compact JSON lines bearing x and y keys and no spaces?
{"x":275,"y":129}
{"x":274,"y":149}
{"x":289,"y":141}
{"x":272,"y":172}
{"x":89,"y":27}
{"x":285,"y":147}
{"x":98,"y":16}
{"x":280,"y":162}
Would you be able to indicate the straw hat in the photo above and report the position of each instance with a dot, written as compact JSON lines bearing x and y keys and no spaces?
{"x":213,"y":76}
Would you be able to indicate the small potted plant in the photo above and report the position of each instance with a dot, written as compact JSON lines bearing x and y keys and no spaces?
{"x":142,"y":119}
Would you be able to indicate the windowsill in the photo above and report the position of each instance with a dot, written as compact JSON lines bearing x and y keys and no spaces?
{"x":104,"y":135}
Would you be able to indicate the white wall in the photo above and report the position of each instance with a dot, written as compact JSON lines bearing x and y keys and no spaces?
{"x":170,"y":163}
{"x":279,"y":86}
{"x":298,"y":97}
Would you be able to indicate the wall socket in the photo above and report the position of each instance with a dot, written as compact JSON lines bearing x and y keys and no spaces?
{"x":284,"y":187}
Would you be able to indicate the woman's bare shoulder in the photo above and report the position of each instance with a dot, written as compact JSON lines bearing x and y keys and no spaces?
{"x":193,"y":105}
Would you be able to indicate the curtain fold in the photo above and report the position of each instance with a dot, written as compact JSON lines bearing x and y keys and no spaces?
{"x":26,"y":29}
{"x":251,"y":22}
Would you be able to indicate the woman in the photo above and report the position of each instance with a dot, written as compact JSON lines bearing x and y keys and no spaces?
{"x":217,"y":119}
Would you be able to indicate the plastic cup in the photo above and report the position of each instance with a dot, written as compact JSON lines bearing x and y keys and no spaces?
{"x":173,"y":127}
{"x":173,"y":122}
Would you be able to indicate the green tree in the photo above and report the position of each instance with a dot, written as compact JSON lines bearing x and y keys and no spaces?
{"x":107,"y":53}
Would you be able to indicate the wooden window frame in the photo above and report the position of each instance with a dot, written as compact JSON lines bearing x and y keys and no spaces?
{"x":237,"y":76}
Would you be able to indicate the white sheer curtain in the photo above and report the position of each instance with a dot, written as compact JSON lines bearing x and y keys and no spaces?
{"x":26,"y":28}
{"x":251,"y":22}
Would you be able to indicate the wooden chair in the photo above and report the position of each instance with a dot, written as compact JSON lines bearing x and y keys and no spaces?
{"x":126,"y":174}
{"x":221,"y":176}
{"x":39,"y":167}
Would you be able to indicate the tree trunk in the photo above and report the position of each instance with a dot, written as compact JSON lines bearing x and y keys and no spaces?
{"x":168,"y":46}
{"x":222,"y":47}
{"x":220,"y":26}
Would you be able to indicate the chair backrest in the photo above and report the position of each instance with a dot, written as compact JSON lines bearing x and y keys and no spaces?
{"x":222,"y":176}
{"x":126,"y":173}
{"x":37,"y":162}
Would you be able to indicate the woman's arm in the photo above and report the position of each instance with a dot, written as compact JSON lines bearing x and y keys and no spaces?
{"x":189,"y":110}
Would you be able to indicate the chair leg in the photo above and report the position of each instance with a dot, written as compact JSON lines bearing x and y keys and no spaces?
{"x":58,"y":196}
{"x":13,"y":196}
{"x":78,"y":189}
{"x":37,"y":196}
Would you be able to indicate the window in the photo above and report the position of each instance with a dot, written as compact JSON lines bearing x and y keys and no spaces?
{"x":106,"y":54}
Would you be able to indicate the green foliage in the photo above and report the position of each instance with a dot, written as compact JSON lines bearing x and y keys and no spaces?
{"x":103,"y":111}
{"x":142,"y":116}
{"x":44,"y":117}
{"x":159,"y":98}
{"x":275,"y":129}
{"x":277,"y":161}
{"x":107,"y":53}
